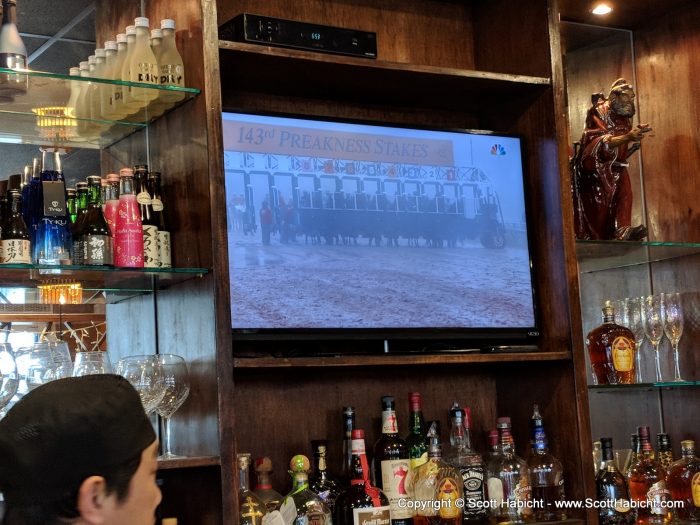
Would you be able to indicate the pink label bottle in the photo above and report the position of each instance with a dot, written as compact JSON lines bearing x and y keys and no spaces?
{"x":128,"y":233}
{"x":112,"y":201}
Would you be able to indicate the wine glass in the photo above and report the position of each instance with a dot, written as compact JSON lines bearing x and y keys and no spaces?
{"x":35,"y":367}
{"x":61,"y":356}
{"x":9,"y":380}
{"x":673,"y":326}
{"x":91,"y":363}
{"x":654,"y":327}
{"x":145,"y":374}
{"x":632,"y":319}
{"x":177,"y":388}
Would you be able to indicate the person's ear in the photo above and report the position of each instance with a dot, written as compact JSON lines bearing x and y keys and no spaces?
{"x":94,"y":503}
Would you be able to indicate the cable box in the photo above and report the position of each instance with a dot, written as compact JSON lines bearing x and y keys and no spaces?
{"x":270,"y":31}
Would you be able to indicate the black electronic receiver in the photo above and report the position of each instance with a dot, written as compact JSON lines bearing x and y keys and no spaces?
{"x":272,"y":31}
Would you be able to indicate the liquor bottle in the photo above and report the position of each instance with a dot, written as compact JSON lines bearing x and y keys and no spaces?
{"x":350,"y":505}
{"x":85,"y":128}
{"x":437,"y":488}
{"x":611,"y":349}
{"x":96,"y":87}
{"x":348,"y":427}
{"x":112,"y":201}
{"x":148,"y":220}
{"x":250,"y":509}
{"x":494,"y":441}
{"x":470,"y":465}
{"x":647,"y":481}
{"x":509,"y":481}
{"x":105,"y":90}
{"x":29,"y":196}
{"x":128,"y":235}
{"x":320,"y":481}
{"x":52,"y":240}
{"x":310,"y":507}
{"x":14,"y":241}
{"x":263,"y":488}
{"x":13,"y":54}
{"x":684,"y":483}
{"x":172,"y":70}
{"x":612,"y":489}
{"x":72,"y":204}
{"x":82,"y":200}
{"x":391,"y":465}
{"x":416,"y":439}
{"x":546,"y":474}
{"x":164,"y":246}
{"x":636,"y":451}
{"x":142,"y":68}
{"x":116,"y":109}
{"x":663,"y":442}
{"x":95,"y":235}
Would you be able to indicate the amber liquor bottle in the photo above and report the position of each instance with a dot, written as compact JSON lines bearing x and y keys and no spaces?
{"x":684,"y":483}
{"x":611,"y":349}
{"x":647,"y":484}
{"x":391,"y":465}
{"x":663,"y":442}
{"x":611,"y":488}
{"x":361,"y":502}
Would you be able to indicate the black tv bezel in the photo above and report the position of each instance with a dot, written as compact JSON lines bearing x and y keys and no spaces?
{"x":483,"y":338}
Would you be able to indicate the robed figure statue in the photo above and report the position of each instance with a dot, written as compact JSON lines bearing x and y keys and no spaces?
{"x":601,"y":184}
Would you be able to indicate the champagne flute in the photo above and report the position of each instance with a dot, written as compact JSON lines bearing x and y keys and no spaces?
{"x":177,"y":388}
{"x":632,"y":319}
{"x":673,"y":326}
{"x":654,"y":327}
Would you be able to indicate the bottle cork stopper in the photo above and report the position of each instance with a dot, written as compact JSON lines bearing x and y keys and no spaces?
{"x":263,"y":464}
{"x":300,"y":463}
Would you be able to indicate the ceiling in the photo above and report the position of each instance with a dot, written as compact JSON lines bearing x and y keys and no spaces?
{"x":626,"y":14}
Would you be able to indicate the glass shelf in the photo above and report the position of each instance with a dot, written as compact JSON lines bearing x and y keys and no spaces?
{"x":40,"y":116}
{"x":644,"y":386}
{"x":98,"y":284}
{"x":595,"y":256}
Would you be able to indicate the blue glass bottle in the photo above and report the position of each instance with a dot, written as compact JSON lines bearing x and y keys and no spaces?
{"x":29,"y":198}
{"x":52,"y":238}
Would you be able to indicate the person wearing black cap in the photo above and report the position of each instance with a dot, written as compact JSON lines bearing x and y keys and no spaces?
{"x":79,"y":451}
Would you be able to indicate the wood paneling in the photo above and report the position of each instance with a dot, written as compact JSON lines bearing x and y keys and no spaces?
{"x":192,"y":496}
{"x":627,"y":14}
{"x":667,"y":61}
{"x":404,"y":33}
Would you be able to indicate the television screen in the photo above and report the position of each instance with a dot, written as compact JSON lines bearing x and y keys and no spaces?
{"x":346,"y":226}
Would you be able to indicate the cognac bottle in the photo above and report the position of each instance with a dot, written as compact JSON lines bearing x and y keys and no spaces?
{"x":611,"y":488}
{"x":611,"y":349}
{"x":647,"y":484}
{"x":684,"y":483}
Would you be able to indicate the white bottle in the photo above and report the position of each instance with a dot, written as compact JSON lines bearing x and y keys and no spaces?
{"x":116,"y":108}
{"x":172,"y":70}
{"x":95,"y":88}
{"x":143,"y":67}
{"x":125,"y":75}
{"x":107,"y":73}
{"x":86,"y":129}
{"x":158,"y":106}
{"x":75,"y":86}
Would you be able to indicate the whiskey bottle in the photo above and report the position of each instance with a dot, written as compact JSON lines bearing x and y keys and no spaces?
{"x":636,"y":452}
{"x":263,"y":488}
{"x":310,"y":508}
{"x":509,"y":481}
{"x":391,"y":465}
{"x":320,"y":481}
{"x":348,"y":427}
{"x":494,"y":441}
{"x":611,"y":349}
{"x":663,"y":443}
{"x":647,"y":484}
{"x":361,"y":503}
{"x":470,"y":465}
{"x":416,"y":439}
{"x":684,"y":483}
{"x":611,"y":489}
{"x":546,"y":474}
{"x":437,"y":488}
{"x":250,"y":509}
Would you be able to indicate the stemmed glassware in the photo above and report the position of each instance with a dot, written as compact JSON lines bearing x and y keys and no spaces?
{"x":632,"y":319}
{"x":90,"y":363}
{"x":9,"y":379}
{"x":177,"y":388}
{"x":145,"y":373}
{"x":35,"y":366}
{"x":654,"y":327}
{"x":673,"y":326}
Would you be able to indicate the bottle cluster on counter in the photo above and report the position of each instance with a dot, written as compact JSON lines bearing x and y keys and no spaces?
{"x":115,"y":221}
{"x":417,"y":481}
{"x":646,"y":487}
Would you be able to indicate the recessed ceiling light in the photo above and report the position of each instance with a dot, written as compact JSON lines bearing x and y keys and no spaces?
{"x":601,"y":9}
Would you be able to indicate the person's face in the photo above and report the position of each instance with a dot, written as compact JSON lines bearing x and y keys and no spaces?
{"x":139,"y":506}
{"x":623,"y":103}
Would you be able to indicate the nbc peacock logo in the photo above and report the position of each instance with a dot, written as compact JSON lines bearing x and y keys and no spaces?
{"x":498,"y":150}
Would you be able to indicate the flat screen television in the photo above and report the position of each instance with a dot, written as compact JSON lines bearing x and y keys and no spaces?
{"x":342,"y":229}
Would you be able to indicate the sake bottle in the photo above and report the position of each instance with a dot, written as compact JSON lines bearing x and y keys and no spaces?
{"x":107,"y":73}
{"x":125,"y":75}
{"x":116,"y":105}
{"x":172,"y":70}
{"x":143,"y":67}
{"x":96,"y":87}
{"x":128,"y":234}
{"x":13,"y":53}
